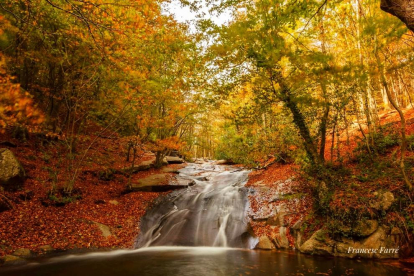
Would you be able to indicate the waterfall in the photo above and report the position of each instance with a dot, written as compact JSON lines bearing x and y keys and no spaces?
{"x":212,"y":212}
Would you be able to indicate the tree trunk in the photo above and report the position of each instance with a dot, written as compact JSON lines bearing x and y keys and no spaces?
{"x":298,"y":118}
{"x":403,"y":9}
{"x":403,"y":145}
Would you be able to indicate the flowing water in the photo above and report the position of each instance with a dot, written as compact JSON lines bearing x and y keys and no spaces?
{"x":201,"y":230}
{"x":212,"y":212}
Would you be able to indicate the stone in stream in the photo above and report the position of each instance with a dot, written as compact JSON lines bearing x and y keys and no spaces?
{"x":174,"y":160}
{"x":9,"y":260}
{"x":265,"y":243}
{"x":12,"y":174}
{"x":155,"y":183}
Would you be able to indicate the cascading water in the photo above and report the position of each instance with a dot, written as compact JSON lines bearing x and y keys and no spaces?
{"x":212,"y":212}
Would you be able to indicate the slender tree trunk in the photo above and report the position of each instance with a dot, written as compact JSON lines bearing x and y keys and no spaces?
{"x":298,"y":118}
{"x":403,"y":145}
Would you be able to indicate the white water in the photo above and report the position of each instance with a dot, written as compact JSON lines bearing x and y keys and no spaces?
{"x":210,"y":213}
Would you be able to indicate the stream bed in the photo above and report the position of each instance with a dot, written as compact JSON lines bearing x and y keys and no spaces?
{"x":201,"y":230}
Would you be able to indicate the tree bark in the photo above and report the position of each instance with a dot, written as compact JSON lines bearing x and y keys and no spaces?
{"x":403,"y":9}
{"x":403,"y":145}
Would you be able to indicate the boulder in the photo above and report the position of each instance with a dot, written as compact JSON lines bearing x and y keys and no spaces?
{"x":155,"y":183}
{"x":12,"y":174}
{"x":382,"y":201}
{"x":379,"y":245}
{"x":174,"y":160}
{"x":318,"y":244}
{"x":224,"y":162}
{"x":23,"y":253}
{"x":12,"y":260}
{"x":265,"y":243}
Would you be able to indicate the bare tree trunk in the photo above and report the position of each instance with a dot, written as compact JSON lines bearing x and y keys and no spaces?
{"x":403,"y":145}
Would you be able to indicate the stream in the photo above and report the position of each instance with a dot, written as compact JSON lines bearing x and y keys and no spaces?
{"x":201,"y":230}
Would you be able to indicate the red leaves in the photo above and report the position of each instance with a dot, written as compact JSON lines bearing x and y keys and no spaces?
{"x":32,"y":225}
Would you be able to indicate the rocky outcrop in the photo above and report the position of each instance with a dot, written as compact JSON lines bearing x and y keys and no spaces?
{"x":381,"y":244}
{"x":174,"y":160}
{"x":9,"y":260}
{"x":265,"y":243}
{"x":143,"y":166}
{"x":12,"y":174}
{"x":363,"y":228}
{"x":23,"y":253}
{"x":156,"y":183}
{"x":279,"y":237}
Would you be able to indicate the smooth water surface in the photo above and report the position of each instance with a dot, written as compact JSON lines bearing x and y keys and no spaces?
{"x":184,"y":261}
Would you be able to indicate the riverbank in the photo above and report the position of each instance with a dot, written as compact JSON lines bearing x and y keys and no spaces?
{"x":366,"y":206}
{"x":101,"y":213}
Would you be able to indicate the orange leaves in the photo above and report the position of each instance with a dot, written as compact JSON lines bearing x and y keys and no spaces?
{"x":169,"y":143}
{"x":16,"y":106}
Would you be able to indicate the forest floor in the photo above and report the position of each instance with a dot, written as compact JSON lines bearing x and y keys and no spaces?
{"x":358,"y":176}
{"x":100,"y":213}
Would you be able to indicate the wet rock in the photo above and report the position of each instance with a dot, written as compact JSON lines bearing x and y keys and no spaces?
{"x":265,"y":243}
{"x":23,"y":253}
{"x":297,"y":234}
{"x":174,"y":160}
{"x":382,"y":201}
{"x":192,"y":183}
{"x":9,"y":260}
{"x":12,"y":174}
{"x":318,"y":244}
{"x":202,"y":178}
{"x":224,"y":162}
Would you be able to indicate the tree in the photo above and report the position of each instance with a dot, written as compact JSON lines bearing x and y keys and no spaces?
{"x":403,"y":9}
